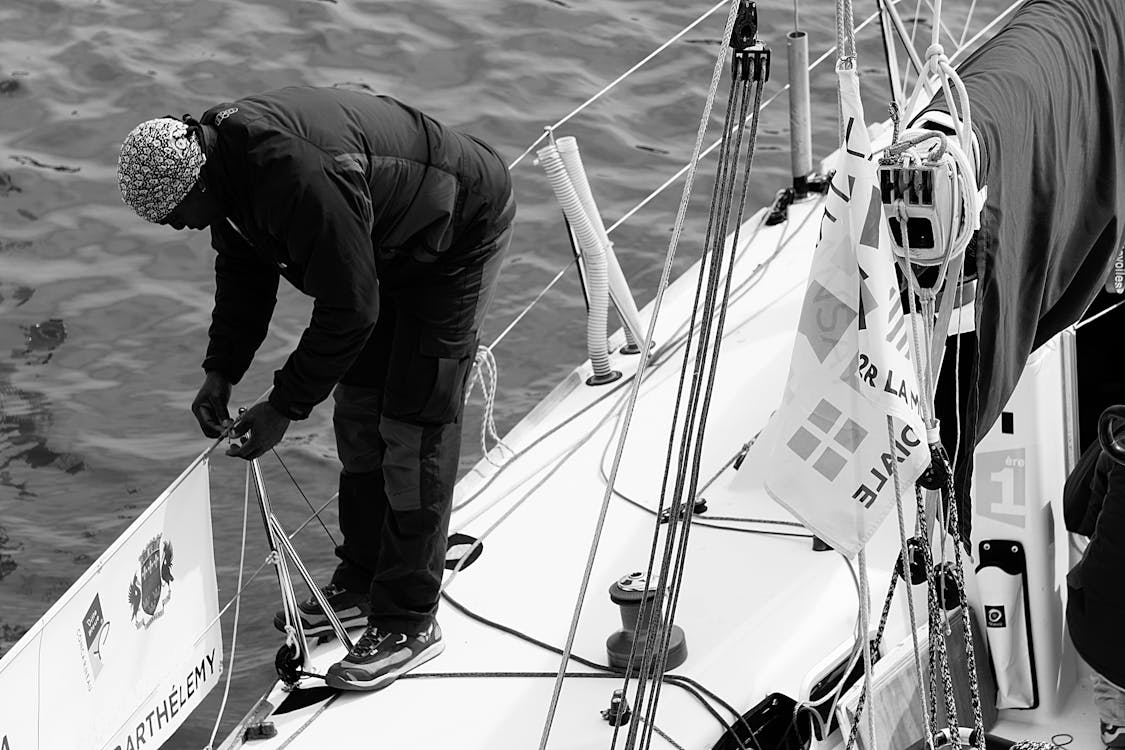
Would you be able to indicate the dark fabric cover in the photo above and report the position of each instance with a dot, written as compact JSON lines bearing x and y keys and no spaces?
{"x":333,"y":189}
{"x":1048,"y":107}
{"x":1094,"y":506}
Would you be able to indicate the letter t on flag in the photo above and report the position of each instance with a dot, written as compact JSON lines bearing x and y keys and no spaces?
{"x":829,"y":453}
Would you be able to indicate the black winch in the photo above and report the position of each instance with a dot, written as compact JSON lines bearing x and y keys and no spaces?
{"x":633,"y":595}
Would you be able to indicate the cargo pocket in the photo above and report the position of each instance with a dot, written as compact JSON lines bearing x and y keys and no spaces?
{"x":449,"y":358}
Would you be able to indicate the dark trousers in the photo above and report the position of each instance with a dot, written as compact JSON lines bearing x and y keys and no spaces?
{"x":398,"y":432}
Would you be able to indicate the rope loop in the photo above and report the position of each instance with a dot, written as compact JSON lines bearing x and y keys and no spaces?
{"x":487,"y":374}
{"x":936,"y":53}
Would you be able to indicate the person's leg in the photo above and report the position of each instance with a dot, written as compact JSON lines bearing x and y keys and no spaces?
{"x":1110,"y":702}
{"x":362,"y":499}
{"x":434,"y":349}
{"x":432,"y":352}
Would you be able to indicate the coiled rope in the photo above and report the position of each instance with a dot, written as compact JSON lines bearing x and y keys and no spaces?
{"x":487,"y":375}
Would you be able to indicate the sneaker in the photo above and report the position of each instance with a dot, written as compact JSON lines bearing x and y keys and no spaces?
{"x":379,"y":658}
{"x":1113,"y":736}
{"x":350,"y":607}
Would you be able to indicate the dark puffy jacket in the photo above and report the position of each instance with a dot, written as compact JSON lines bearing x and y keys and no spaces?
{"x":1094,"y":505}
{"x":330,"y":188}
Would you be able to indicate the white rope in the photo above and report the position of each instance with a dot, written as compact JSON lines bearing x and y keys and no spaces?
{"x":864,"y":619}
{"x":1092,"y":318}
{"x":665,"y":276}
{"x":963,"y":49}
{"x":845,"y":31}
{"x":237,"y":608}
{"x":487,"y":374}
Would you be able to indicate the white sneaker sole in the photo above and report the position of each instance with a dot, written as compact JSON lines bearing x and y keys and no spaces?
{"x":387,"y":678}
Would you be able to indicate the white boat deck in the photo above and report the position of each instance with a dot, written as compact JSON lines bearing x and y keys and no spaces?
{"x":761,"y":612}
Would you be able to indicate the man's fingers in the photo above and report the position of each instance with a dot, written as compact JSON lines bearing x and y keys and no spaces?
{"x":241,"y":427}
{"x":207,"y":421}
{"x":248,"y":450}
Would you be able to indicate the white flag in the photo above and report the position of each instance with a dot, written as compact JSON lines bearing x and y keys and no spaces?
{"x":829,"y":455}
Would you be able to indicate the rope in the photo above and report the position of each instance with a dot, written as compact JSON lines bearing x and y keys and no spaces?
{"x":304,"y":497}
{"x":487,"y":374}
{"x":1092,"y":318}
{"x":655,"y":658}
{"x":906,"y":578}
{"x":845,"y":32}
{"x":659,"y":190}
{"x":707,"y":14}
{"x":864,"y":615}
{"x":694,"y":688}
{"x":641,"y":366}
{"x":237,"y":609}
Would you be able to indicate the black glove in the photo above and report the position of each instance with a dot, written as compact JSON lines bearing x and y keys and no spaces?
{"x":210,"y":405}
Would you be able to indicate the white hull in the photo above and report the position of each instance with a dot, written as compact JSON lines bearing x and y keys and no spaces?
{"x":761,"y":613}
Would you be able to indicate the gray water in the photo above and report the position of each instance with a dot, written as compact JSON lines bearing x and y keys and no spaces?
{"x":103,"y":317}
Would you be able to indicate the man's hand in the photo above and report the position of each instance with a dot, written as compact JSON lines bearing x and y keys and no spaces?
{"x":210,"y":405}
{"x":266,"y":427}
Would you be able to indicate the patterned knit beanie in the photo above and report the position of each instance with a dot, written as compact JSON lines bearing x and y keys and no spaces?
{"x":158,"y":166}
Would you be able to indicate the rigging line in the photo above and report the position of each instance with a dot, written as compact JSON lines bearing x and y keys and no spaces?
{"x":723,"y":195}
{"x":962,"y":50}
{"x":856,"y":654}
{"x":913,"y":36}
{"x":533,"y":303}
{"x":711,"y":375}
{"x":642,"y":364}
{"x":723,"y":163}
{"x":711,"y":264}
{"x":305,"y":497}
{"x":237,"y":610}
{"x":706,"y":521}
{"x":666,"y":184}
{"x":684,"y":682}
{"x":707,"y":152}
{"x":228,"y":432}
{"x":1080,"y":324}
{"x":968,"y":23}
{"x":674,"y":344}
{"x":940,"y":26}
{"x":254,"y":575}
{"x":907,"y":576}
{"x":865,"y":614}
{"x":679,"y":35}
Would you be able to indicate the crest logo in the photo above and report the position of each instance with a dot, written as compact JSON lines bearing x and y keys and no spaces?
{"x":148,"y":593}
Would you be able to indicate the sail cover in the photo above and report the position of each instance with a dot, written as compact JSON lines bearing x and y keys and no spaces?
{"x":1048,"y":108}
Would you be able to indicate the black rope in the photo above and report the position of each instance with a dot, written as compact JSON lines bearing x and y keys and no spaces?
{"x":650,"y":618}
{"x":707,"y":390}
{"x":704,"y":371}
{"x":603,"y":671}
{"x":316,"y":513}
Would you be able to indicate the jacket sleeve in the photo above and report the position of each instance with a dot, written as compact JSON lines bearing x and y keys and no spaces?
{"x":245,"y":296}
{"x":321,"y":208}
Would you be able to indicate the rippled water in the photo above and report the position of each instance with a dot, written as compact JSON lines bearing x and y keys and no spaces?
{"x":103,"y":317}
